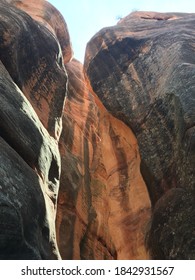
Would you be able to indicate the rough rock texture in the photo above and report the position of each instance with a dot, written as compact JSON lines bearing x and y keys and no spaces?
{"x":29,"y":177}
{"x":103,"y":206}
{"x":143,"y":72}
{"x":172,"y":232}
{"x":33,"y":57}
{"x":43,"y":12}
{"x":31,"y":69}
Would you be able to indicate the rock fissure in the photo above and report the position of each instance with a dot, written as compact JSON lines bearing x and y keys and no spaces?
{"x":74,"y":137}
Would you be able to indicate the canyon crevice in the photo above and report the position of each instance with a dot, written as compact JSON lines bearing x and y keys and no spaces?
{"x":96,"y":160}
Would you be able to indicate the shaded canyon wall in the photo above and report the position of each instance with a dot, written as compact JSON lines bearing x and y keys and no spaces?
{"x":71,"y":138}
{"x":142,"y":69}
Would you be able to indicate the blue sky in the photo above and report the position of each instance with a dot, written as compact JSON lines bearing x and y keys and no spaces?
{"x":86,"y":17}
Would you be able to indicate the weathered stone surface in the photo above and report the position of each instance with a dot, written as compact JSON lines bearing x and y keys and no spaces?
{"x":103,"y":205}
{"x":23,"y":233}
{"x":29,"y":177}
{"x":32,"y":93}
{"x":33,"y":57}
{"x":45,"y":13}
{"x":143,"y":72}
{"x":142,"y":69}
{"x":172,"y":232}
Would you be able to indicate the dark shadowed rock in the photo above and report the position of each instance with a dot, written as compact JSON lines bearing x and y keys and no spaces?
{"x":143,"y":71}
{"x":172,"y":231}
{"x":20,"y":126}
{"x":29,"y":177}
{"x":23,"y":232}
{"x":32,"y":93}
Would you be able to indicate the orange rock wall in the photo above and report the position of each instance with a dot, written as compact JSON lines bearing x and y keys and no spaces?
{"x":103,"y":206}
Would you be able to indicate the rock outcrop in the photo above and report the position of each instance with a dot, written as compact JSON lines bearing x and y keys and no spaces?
{"x":46,"y":14}
{"x":70,"y":139}
{"x":172,"y":232}
{"x":32,"y":55}
{"x":32,"y":93}
{"x":103,"y":203}
{"x":103,"y":206}
{"x":142,"y":70}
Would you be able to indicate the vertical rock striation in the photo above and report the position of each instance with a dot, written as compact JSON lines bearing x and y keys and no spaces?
{"x":33,"y":57}
{"x":137,"y":89}
{"x":103,"y":205}
{"x":142,"y":70}
{"x":32,"y":93}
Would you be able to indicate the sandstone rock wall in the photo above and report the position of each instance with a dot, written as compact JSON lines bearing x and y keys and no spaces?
{"x":32,"y":93}
{"x":71,"y":138}
{"x":103,"y":206}
{"x":142,"y":70}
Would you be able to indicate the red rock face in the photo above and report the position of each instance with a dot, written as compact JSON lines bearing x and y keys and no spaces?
{"x":45,"y":13}
{"x":142,"y":70}
{"x":103,"y":205}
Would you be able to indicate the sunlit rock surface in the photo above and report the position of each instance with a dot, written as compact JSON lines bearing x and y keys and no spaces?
{"x":46,"y":14}
{"x":32,"y":94}
{"x":70,"y":180}
{"x":103,"y":206}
